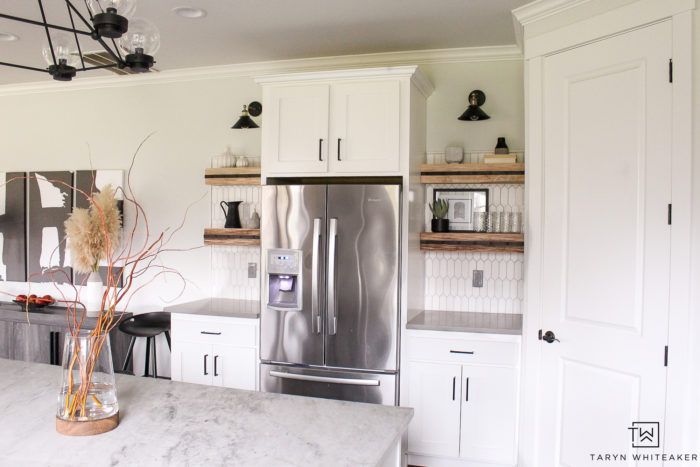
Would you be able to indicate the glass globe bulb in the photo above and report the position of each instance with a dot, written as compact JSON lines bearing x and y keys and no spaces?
{"x":142,"y":37}
{"x":124,"y":8}
{"x":64,"y":48}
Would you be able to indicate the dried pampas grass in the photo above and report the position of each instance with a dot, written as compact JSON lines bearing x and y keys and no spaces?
{"x":93,"y":234}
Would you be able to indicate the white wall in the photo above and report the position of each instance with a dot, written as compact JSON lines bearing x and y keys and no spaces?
{"x":695,"y":228}
{"x":51,"y":128}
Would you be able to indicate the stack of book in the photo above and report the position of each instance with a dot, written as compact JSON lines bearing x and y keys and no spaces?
{"x":499,"y":159}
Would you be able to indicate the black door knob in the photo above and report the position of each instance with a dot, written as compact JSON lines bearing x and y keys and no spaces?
{"x":549,"y":337}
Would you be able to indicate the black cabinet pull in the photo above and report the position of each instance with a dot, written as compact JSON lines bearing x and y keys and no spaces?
{"x":466,"y":398}
{"x":338,"y":148}
{"x":52,"y":358}
{"x":205,"y":364}
{"x":454,"y":386}
{"x":56,"y":343}
{"x":467,"y":352}
{"x":209,"y":333}
{"x":216,"y":358}
{"x":320,"y":145}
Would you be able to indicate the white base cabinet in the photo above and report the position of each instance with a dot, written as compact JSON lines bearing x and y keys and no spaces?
{"x":464,"y":391}
{"x":218,"y":351}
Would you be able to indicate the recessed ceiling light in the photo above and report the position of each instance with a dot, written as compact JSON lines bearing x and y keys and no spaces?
{"x":7,"y":37}
{"x":189,"y":12}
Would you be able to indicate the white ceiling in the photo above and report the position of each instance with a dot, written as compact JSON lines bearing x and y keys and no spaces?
{"x":240,"y":31}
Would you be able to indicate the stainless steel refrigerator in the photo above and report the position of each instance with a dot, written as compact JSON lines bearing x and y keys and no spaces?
{"x":329,"y":322}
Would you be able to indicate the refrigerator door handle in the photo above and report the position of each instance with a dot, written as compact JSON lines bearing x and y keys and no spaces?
{"x":332,"y":238}
{"x":325,"y":379}
{"x":315,"y":312}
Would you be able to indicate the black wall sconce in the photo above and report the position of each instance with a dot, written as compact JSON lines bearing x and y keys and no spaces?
{"x":254,"y":109}
{"x":474,"y":112}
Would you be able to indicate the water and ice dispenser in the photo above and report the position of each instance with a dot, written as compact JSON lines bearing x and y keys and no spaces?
{"x":284,"y":279}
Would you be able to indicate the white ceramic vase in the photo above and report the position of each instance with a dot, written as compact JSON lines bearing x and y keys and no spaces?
{"x":92,"y":294}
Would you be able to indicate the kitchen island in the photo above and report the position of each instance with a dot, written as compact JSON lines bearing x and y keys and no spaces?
{"x":170,"y":423}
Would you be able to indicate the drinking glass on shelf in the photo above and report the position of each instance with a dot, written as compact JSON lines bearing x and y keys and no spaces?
{"x":480,"y":221}
{"x":516,"y":223}
{"x":494,"y":223}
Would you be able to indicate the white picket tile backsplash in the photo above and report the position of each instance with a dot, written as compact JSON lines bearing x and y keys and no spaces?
{"x":448,"y":275}
{"x":230,"y":263}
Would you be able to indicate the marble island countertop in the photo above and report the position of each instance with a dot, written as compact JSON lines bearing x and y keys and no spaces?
{"x":225,"y":307}
{"x":463,"y":321}
{"x":170,"y":423}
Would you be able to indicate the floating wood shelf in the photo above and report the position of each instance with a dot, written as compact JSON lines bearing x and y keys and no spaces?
{"x":232,"y":176}
{"x":239,"y":237}
{"x":472,"y":173}
{"x":473,"y":241}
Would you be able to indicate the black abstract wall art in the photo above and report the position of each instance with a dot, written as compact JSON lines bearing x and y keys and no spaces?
{"x":13,"y":259}
{"x":50,"y":204}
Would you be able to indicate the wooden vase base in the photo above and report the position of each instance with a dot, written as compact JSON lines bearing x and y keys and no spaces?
{"x":88,"y":427}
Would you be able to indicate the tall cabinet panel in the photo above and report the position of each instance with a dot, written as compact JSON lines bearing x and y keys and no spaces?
{"x":364,"y":126}
{"x":295,"y":139}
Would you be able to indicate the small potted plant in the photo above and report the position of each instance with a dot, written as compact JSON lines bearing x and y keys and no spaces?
{"x":439,"y":210}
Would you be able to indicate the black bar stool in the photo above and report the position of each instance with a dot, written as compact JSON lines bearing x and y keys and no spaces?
{"x":147,"y":325}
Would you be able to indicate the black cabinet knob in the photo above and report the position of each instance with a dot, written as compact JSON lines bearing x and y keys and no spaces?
{"x":549,"y":337}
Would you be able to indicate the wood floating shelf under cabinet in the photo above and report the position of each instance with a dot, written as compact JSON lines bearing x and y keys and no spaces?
{"x":232,"y":176}
{"x":472,"y":173}
{"x":237,"y":237}
{"x":473,"y":241}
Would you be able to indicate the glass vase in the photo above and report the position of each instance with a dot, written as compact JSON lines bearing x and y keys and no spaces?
{"x":87,"y":399}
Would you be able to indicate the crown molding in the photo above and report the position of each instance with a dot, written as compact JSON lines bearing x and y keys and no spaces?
{"x":253,"y":69}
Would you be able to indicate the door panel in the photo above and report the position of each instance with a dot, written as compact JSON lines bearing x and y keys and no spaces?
{"x":298,"y":121}
{"x":363,"y":296}
{"x":329,"y":384}
{"x":196,"y":362}
{"x":434,"y":392}
{"x":606,"y":243}
{"x":290,"y":210}
{"x":365,"y":126}
{"x":489,"y":414}
{"x":234,"y":367}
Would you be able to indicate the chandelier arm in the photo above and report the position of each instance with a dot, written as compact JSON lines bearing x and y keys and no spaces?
{"x":114,"y":43}
{"x":92,"y":30}
{"x":77,"y":42}
{"x":14,"y":65}
{"x":116,"y":57}
{"x":39,"y":23}
{"x":48,"y":36}
{"x":88,"y":9}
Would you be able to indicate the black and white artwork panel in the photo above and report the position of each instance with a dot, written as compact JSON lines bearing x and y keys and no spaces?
{"x":13,"y":206}
{"x":50,"y":204}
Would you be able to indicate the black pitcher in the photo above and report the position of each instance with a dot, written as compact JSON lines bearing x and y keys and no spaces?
{"x":233,"y":220}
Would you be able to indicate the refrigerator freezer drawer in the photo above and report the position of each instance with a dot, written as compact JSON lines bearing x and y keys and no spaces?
{"x":329,"y":384}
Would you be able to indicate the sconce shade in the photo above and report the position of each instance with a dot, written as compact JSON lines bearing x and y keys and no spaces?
{"x":474,"y":112}
{"x":245,"y":121}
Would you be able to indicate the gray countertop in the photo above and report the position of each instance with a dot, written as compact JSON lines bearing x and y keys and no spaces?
{"x":218,"y":307}
{"x":463,"y":321}
{"x":168,"y":423}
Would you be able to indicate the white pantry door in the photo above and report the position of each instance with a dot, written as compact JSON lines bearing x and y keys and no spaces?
{"x":606,"y":244}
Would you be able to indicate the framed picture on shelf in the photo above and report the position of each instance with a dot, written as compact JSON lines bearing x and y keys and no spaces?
{"x":462,"y":203}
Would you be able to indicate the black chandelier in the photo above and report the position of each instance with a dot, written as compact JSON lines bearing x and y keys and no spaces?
{"x":130,"y":43}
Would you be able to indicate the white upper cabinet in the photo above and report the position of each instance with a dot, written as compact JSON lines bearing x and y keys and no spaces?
{"x":295,"y":131}
{"x":364,"y":127}
{"x":352,"y":122}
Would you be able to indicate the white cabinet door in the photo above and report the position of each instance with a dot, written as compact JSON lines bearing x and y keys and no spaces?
{"x":193,"y":362}
{"x":235,"y":367}
{"x":364,"y":120}
{"x":295,"y":137}
{"x":489,"y":414}
{"x":434,"y":394}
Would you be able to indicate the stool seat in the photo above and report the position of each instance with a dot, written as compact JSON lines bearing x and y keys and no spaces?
{"x":147,"y":325}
